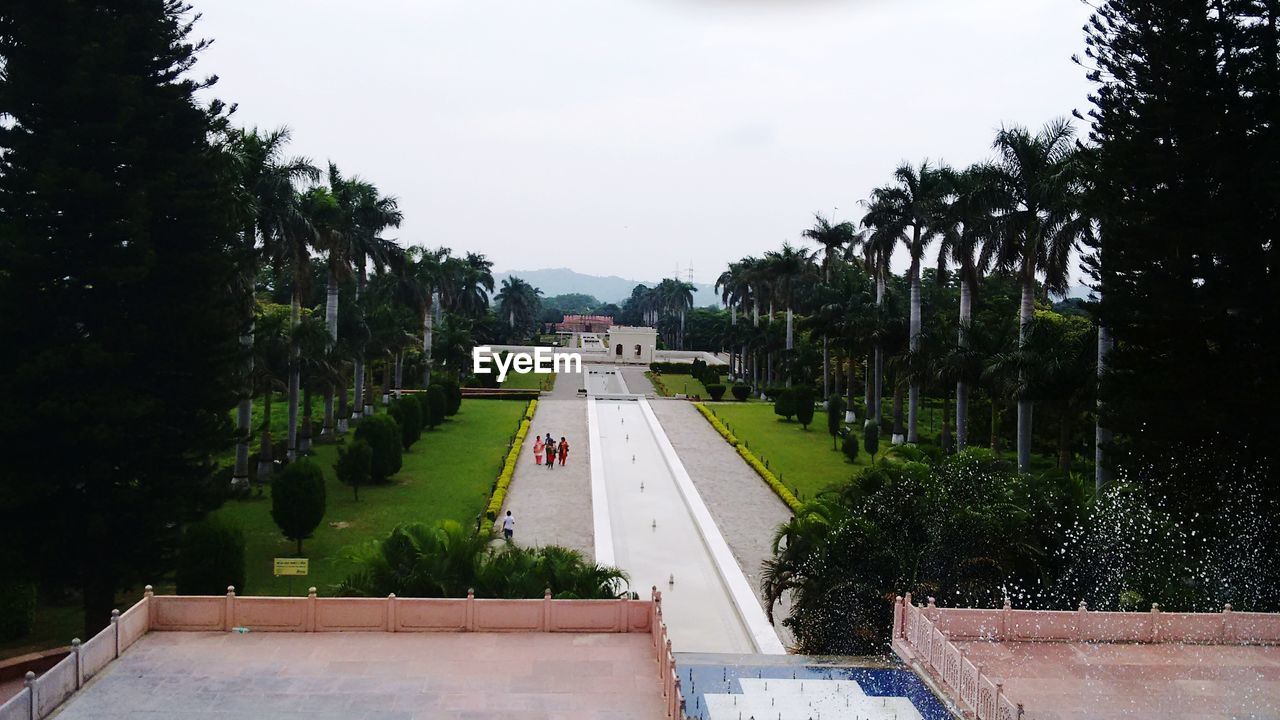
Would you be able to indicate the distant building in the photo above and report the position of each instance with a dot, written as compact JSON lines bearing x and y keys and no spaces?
{"x":632,"y":344}
{"x":585,"y":324}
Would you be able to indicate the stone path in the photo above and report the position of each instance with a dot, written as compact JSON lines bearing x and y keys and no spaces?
{"x":744,"y":508}
{"x":553,"y":507}
{"x":367,"y":675}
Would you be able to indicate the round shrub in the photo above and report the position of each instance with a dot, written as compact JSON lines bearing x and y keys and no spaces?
{"x":436,"y":404}
{"x":741,"y":391}
{"x":452,"y":396}
{"x":355,"y":462}
{"x":382,"y":433}
{"x":210,"y":557}
{"x":835,"y":417}
{"x":785,"y":404}
{"x":803,"y":398}
{"x":850,"y":446}
{"x":871,"y":438}
{"x":715,"y":391}
{"x":18,"y":609}
{"x":408,"y":415}
{"x":297,"y":500}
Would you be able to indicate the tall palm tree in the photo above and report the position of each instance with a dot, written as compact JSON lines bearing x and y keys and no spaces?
{"x":884,"y":237}
{"x":265,"y":182}
{"x":675,"y":297}
{"x":1039,"y":224}
{"x":968,"y":225}
{"x":913,"y":206}
{"x":326,"y":214}
{"x":371,"y":213}
{"x":424,"y":273}
{"x":469,"y":283}
{"x":517,"y":303}
{"x":296,"y":238}
{"x":836,"y":240}
{"x":788,"y":268}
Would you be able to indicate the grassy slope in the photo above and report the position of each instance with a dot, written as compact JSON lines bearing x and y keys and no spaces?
{"x":804,"y":458}
{"x":669,"y":385}
{"x":446,"y":475}
{"x":530,"y":381}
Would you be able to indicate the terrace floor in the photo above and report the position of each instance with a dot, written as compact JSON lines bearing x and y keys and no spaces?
{"x":389,"y":676}
{"x":1079,"y":681}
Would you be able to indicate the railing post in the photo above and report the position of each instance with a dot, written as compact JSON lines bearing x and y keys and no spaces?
{"x":115,"y":629}
{"x":1225,"y":634}
{"x":311,"y":609}
{"x":1005,"y":615}
{"x":149,"y":595}
{"x":622,"y":615}
{"x":471,"y":609}
{"x":229,"y":613}
{"x":75,"y":650}
{"x":1082,"y":613}
{"x":546,"y":610}
{"x":29,"y":682}
{"x":391,"y":612}
{"x":1155,"y":622}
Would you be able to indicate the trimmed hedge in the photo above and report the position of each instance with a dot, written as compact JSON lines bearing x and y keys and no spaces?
{"x":408,"y":415}
{"x":716,"y":391}
{"x":355,"y":462}
{"x":436,"y":404}
{"x":18,"y":609}
{"x":509,"y":465}
{"x":785,"y":405}
{"x":210,"y":558}
{"x":802,"y":397}
{"x":770,"y":479}
{"x":297,"y":500}
{"x":382,"y":432}
{"x":741,"y":391}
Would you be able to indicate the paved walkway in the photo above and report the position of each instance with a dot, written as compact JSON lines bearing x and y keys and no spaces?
{"x":388,"y":676}
{"x":744,"y":508}
{"x":553,"y":507}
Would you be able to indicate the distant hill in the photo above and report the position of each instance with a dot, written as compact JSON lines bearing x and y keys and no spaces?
{"x":611,"y":288}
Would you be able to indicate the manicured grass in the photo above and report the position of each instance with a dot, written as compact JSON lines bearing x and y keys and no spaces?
{"x":803,"y":459}
{"x":668,"y":385}
{"x":530,"y":381}
{"x":446,"y":475}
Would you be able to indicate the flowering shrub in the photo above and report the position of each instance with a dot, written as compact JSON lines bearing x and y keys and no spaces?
{"x":509,"y":465}
{"x":772,"y":480}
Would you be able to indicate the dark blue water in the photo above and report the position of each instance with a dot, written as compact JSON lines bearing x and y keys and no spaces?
{"x":697,"y":680}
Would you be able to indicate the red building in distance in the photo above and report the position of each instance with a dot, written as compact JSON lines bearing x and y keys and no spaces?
{"x":585,"y":324}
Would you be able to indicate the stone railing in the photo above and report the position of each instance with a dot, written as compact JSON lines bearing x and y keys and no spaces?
{"x":41,"y":695}
{"x":924,"y":635}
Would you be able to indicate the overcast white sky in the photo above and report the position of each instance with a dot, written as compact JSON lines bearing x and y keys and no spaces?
{"x":628,"y":136}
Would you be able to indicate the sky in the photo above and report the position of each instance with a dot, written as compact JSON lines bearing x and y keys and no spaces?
{"x":638,"y":137}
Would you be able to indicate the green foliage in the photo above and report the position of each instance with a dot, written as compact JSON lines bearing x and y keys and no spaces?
{"x":835,"y":417}
{"x":408,"y":415}
{"x":115,"y":394}
{"x":453,"y":397}
{"x":355,"y":465}
{"x":849,"y":446}
{"x":804,"y":407}
{"x":716,"y":391}
{"x":210,"y":558}
{"x":446,"y":560}
{"x":741,"y":391}
{"x":383,"y":435}
{"x":436,"y":404}
{"x":785,"y":404}
{"x":871,"y":438}
{"x":17,"y":609}
{"x":297,"y":500}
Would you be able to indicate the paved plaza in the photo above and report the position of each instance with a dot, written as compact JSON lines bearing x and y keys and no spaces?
{"x":382,"y":676}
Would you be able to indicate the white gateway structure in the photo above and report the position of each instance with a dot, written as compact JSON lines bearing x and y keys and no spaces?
{"x":632,"y":345}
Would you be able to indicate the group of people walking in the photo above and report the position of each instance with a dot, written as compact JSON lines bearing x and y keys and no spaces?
{"x":550,"y":450}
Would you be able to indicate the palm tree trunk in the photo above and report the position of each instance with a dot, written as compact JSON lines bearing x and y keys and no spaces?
{"x":386,"y":379}
{"x":962,"y":386}
{"x":877,"y":387}
{"x":1101,"y":435}
{"x":265,"y":456}
{"x":304,"y":435}
{"x":295,"y":372}
{"x":342,"y":404}
{"x":826,"y":373}
{"x":244,"y":413}
{"x":399,"y":384}
{"x":945,"y":435}
{"x":427,"y":338}
{"x":913,"y":403}
{"x":330,"y":324}
{"x":357,"y":410}
{"x":1024,"y":403}
{"x":897,"y":412}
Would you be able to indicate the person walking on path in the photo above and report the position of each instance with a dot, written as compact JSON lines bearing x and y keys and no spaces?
{"x":508,"y":526}
{"x":564,"y":449}
{"x":538,"y":447}
{"x":551,"y":454}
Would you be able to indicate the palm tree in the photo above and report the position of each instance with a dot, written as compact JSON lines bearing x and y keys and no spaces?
{"x":371,"y":214}
{"x":877,"y":253}
{"x":266,"y":182}
{"x":968,"y":225}
{"x":834,"y":239}
{"x":1038,"y":225}
{"x":424,"y":273}
{"x":913,"y":206}
{"x":517,"y":302}
{"x":325,"y":213}
{"x":271,"y":359}
{"x":675,"y":297}
{"x":788,"y":268}
{"x":469,"y":283}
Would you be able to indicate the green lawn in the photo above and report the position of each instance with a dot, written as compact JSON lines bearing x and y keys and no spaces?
{"x":446,"y":475}
{"x":668,"y":385}
{"x":530,"y":381}
{"x":803,"y":459}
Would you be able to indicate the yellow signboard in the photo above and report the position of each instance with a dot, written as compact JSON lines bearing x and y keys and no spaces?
{"x":292,"y":566}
